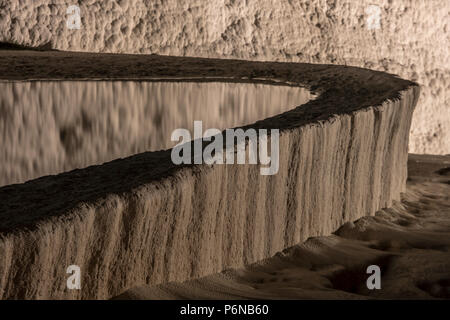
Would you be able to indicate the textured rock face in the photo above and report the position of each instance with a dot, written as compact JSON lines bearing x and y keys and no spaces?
{"x":144,"y":220}
{"x":51,"y":127}
{"x":412,"y":40}
{"x":402,"y":240}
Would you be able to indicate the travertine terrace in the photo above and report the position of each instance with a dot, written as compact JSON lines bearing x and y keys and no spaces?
{"x":408,"y":240}
{"x":411,"y":39}
{"x":142,"y":220}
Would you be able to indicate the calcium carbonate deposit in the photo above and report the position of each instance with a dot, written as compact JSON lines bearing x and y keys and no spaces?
{"x":144,"y":220}
{"x":405,"y":37}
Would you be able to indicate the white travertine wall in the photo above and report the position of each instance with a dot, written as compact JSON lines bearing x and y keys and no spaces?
{"x":412,"y":40}
{"x":203,"y":219}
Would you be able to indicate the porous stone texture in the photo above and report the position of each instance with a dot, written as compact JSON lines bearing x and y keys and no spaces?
{"x":54,"y":126}
{"x":412,"y":40}
{"x":143,"y":220}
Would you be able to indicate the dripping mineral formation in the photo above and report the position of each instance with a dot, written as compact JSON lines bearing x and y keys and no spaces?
{"x":143,"y":220}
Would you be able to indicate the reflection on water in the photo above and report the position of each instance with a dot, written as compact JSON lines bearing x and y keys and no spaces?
{"x":50,"y":127}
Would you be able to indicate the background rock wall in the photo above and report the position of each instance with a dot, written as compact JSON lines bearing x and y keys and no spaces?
{"x":411,"y":41}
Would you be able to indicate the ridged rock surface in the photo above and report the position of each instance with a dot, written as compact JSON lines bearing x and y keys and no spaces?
{"x":56,"y":126}
{"x":143,"y":220}
{"x":409,"y":242}
{"x":411,"y":41}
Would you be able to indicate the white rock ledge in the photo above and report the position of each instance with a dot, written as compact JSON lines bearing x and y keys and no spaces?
{"x":142,"y":220}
